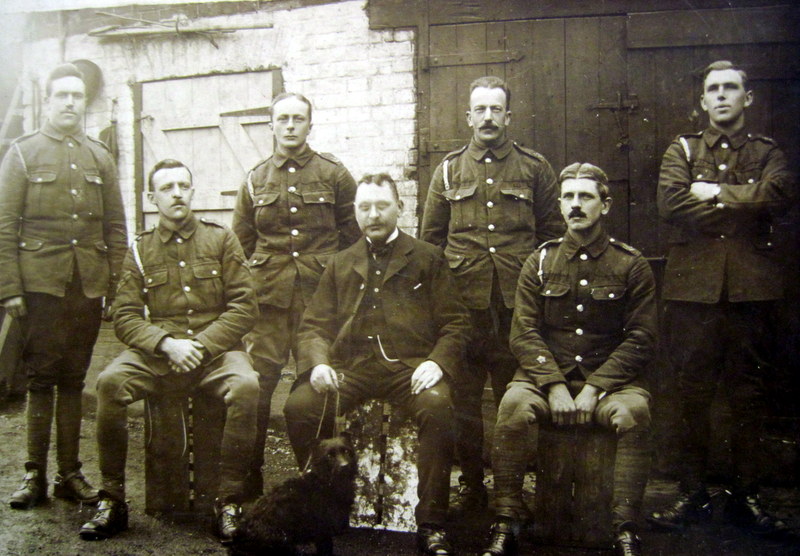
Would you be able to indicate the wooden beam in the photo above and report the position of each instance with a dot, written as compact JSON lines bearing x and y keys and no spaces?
{"x":714,"y":27}
{"x":387,"y":14}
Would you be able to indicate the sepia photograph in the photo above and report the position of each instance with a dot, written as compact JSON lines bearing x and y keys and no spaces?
{"x":400,"y":277}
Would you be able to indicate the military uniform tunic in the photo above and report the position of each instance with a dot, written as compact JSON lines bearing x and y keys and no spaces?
{"x":488,"y":208}
{"x":60,"y":208}
{"x":192,"y":282}
{"x":722,"y":278}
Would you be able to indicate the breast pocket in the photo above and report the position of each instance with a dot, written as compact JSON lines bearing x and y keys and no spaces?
{"x":556,"y":304}
{"x":94,"y":193}
{"x":208,"y":282}
{"x":517,"y":203}
{"x":155,"y":293}
{"x":463,"y":207}
{"x":319,"y":206}
{"x":41,"y":193}
{"x":607,"y":309}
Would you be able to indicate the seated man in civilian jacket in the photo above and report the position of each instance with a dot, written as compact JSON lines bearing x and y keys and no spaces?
{"x":387,"y":316}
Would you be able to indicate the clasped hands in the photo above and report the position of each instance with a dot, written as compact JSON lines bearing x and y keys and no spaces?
{"x":184,"y":355}
{"x":565,"y":410}
{"x":426,"y":375}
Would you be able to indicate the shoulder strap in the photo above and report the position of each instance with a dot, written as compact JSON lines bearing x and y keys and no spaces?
{"x":137,"y":257}
{"x":445,"y":172}
{"x":685,"y":144}
{"x":540,"y":272}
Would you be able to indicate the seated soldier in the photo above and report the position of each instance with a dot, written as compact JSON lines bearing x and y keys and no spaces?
{"x":584,"y":329}
{"x":386,"y":315}
{"x":183,"y":304}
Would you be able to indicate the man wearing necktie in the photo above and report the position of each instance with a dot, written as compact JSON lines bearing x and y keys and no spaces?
{"x":387,"y":317}
{"x":721,"y":190}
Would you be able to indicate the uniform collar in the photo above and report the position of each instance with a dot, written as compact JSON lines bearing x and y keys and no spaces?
{"x":712,"y":136}
{"x":53,"y":133}
{"x":499,"y":152}
{"x":185,"y":229}
{"x":301,"y":159}
{"x":571,"y":245}
{"x":391,"y":238}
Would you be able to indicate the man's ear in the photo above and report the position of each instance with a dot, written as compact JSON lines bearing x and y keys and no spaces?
{"x":469,"y":120}
{"x":606,"y":205}
{"x":748,"y":98}
{"x":150,"y":197}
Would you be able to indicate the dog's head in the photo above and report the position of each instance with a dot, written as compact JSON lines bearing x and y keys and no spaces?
{"x":334,"y":459}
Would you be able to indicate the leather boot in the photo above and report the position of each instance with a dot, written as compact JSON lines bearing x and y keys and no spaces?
{"x":747,"y":512}
{"x":226,"y":520}
{"x":73,"y":486}
{"x":111,"y":518}
{"x":627,"y":543}
{"x":502,"y":540}
{"x":684,"y":510}
{"x":32,"y":491}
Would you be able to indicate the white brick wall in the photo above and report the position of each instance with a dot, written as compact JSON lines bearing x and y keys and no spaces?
{"x":361,"y":82}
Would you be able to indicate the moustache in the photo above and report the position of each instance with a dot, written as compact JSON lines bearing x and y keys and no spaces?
{"x":489,"y":126}
{"x":576,"y":212}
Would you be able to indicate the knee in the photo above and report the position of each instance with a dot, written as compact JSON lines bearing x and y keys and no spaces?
{"x":110,"y":388}
{"x":630,"y":418}
{"x":301,"y":404}
{"x":437,"y":403}
{"x":515,"y":411}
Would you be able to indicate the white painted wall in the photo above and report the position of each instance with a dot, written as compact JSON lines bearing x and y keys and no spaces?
{"x":361,"y":82}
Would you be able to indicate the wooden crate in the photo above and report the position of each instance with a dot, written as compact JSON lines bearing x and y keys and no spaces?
{"x":574,"y":483}
{"x":183,"y":435}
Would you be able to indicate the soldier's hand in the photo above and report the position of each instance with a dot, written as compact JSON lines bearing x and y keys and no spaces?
{"x":562,"y":406}
{"x":15,"y":306}
{"x":586,"y":403}
{"x":324,"y":379}
{"x":427,"y":375}
{"x":704,"y":191}
{"x":184,"y":355}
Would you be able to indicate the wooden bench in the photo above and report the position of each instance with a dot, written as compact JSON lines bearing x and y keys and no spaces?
{"x":574,"y":484}
{"x":386,"y":485}
{"x":183,"y":434}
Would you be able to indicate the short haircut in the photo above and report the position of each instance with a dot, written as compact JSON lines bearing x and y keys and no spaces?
{"x":381,"y":179}
{"x":62,"y":70}
{"x":492,"y":82}
{"x":578,"y":170}
{"x":284,"y":96}
{"x":163,"y":165}
{"x":721,"y":65}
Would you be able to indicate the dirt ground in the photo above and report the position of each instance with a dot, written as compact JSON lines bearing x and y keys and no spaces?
{"x":52,"y":529}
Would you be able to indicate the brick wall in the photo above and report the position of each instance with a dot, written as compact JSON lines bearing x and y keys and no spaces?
{"x":361,"y":82}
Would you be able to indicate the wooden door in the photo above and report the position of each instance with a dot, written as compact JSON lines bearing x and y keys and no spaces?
{"x":216,"y":124}
{"x":569,"y":98}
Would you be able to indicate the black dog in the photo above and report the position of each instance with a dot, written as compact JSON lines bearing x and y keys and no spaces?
{"x":311,"y":508}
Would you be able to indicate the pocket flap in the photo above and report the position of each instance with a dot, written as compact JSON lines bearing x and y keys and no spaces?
{"x":314,"y":197}
{"x":94,"y":178}
{"x":601,"y":293}
{"x":555,"y":290}
{"x":155,"y":278}
{"x":101,"y":246}
{"x":42,"y":177}
{"x":207,"y":270}
{"x":453,"y":260}
{"x":460,"y":193}
{"x":266,"y":198}
{"x":30,"y":244}
{"x":258,"y":259}
{"x":520,"y":193}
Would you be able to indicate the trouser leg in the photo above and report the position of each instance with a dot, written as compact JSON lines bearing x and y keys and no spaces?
{"x":268,"y":379}
{"x":39,"y":417}
{"x":126,"y":380}
{"x":627,"y":412}
{"x":750,"y":360}
{"x":521,"y":409}
{"x":696,"y":345}
{"x":232,"y":379}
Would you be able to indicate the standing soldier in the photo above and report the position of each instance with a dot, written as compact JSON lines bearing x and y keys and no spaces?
{"x":293,"y":212}
{"x":489,"y":205}
{"x":62,"y":240}
{"x":720,"y":189}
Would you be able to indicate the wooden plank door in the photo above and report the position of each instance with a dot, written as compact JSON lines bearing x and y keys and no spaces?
{"x":567,"y":77}
{"x":216,"y":124}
